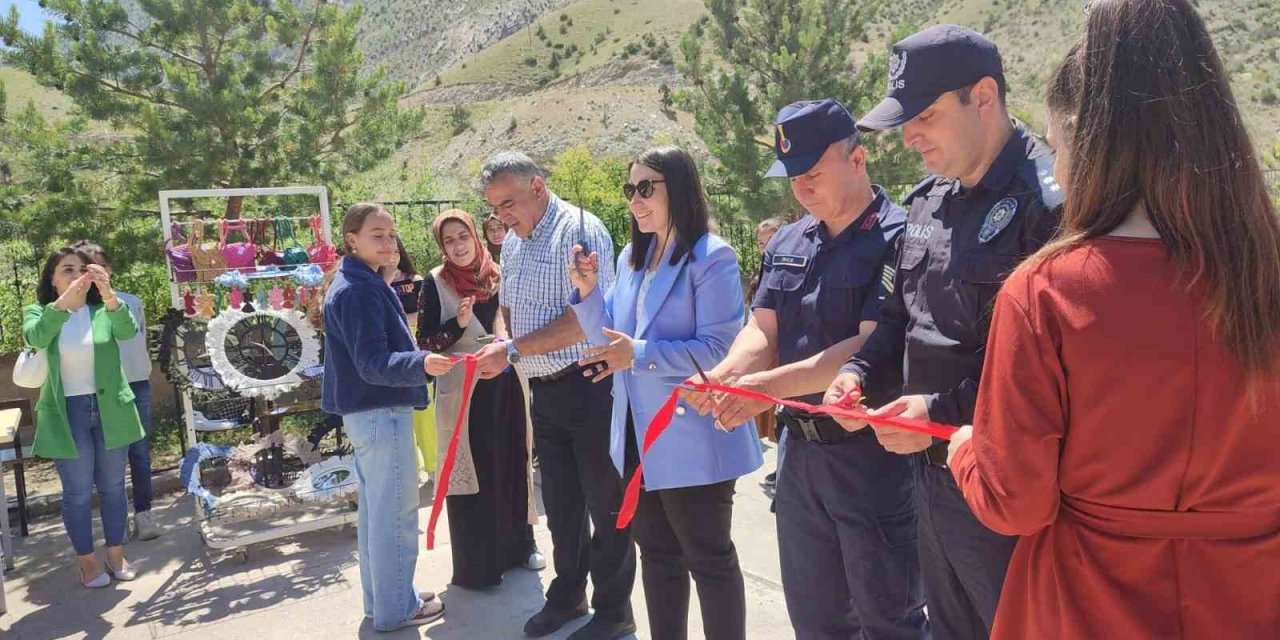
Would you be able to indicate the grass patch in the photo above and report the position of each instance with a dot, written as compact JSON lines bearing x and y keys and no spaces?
{"x":596,"y":29}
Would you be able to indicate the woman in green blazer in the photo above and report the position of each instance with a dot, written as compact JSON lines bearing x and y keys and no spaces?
{"x":86,"y":416}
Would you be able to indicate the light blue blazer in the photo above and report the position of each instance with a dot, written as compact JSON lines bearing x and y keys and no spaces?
{"x":696,"y":304}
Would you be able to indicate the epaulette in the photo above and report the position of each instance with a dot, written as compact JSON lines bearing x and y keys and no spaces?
{"x":1051,"y":193}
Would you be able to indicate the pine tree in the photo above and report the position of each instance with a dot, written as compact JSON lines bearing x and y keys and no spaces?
{"x":748,"y":58}
{"x":220,"y":93}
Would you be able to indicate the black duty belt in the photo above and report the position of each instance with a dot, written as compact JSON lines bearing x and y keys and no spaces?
{"x":819,"y":429}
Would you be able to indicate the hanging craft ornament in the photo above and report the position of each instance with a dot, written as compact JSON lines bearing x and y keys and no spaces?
{"x":237,"y":283}
{"x":276,"y":295}
{"x":310,"y":275}
{"x":189,"y":303}
{"x":308,"y":278}
{"x":264,"y":353}
{"x":204,"y":305}
{"x":288,"y":297}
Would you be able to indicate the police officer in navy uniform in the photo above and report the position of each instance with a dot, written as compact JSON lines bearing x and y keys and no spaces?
{"x":845,"y":507}
{"x":990,"y":202}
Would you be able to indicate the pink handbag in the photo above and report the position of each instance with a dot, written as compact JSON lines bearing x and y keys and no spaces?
{"x":180,"y":263}
{"x":240,"y":256}
{"x":321,"y":252}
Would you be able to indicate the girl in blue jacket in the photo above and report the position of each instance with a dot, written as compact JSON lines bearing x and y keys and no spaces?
{"x":374,"y":377}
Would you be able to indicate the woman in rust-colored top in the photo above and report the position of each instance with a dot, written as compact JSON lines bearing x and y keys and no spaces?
{"x":1127,"y":420}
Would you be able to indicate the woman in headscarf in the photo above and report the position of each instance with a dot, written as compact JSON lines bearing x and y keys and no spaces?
{"x":490,"y":503}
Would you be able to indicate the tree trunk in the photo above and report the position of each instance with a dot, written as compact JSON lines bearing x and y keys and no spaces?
{"x":234,"y":203}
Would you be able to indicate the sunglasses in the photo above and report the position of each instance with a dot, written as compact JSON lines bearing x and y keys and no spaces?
{"x":644,"y":188}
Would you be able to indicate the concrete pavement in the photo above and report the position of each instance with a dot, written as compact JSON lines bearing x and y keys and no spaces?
{"x":309,"y":586}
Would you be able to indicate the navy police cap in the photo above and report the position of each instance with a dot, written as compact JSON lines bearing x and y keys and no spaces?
{"x":926,"y":65}
{"x":803,"y":131}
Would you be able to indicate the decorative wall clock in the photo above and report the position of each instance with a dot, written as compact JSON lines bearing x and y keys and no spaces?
{"x":184,"y":356}
{"x":262,"y":353}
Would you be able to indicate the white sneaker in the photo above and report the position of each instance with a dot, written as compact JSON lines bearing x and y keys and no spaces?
{"x":146,"y":526}
{"x":536,"y":561}
{"x":97,"y":583}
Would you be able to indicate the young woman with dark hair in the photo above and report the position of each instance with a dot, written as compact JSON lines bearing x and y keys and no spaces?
{"x":495,"y":234}
{"x":678,"y":295}
{"x":86,"y":415}
{"x":1126,"y":417}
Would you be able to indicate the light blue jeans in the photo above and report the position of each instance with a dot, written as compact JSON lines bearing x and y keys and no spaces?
{"x":94,"y":465}
{"x":387,"y":473}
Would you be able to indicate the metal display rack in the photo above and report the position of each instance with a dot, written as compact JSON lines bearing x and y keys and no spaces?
{"x":234,"y":527}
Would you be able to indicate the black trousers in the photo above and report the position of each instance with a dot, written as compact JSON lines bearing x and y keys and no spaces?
{"x":847,"y":541}
{"x":687,"y":531}
{"x":571,"y":431}
{"x":963,"y":561}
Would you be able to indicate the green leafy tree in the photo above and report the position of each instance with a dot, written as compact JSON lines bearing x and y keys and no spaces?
{"x":595,"y":183}
{"x":748,"y":58}
{"x":219,"y":93}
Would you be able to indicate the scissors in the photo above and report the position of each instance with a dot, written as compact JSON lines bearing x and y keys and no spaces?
{"x":697,"y":367}
{"x":703,"y":375}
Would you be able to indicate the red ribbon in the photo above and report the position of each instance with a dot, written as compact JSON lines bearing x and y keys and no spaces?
{"x":442,"y":483}
{"x":844,"y":409}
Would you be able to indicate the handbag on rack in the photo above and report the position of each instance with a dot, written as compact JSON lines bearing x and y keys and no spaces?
{"x":179,"y":256}
{"x":268,"y":253}
{"x":294,"y":254}
{"x":207,"y":256}
{"x":31,"y":369}
{"x":322,"y":252}
{"x":241,"y":256}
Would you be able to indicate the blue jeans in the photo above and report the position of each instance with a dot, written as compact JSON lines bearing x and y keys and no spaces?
{"x":140,"y":451}
{"x":95,"y":464}
{"x":387,"y":475}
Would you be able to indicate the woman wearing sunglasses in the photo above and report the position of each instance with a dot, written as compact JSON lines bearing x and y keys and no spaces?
{"x":678,"y":300}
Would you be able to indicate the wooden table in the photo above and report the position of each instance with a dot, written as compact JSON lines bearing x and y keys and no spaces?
{"x":9,"y":419}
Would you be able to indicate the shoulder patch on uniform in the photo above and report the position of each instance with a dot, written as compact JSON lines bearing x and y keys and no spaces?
{"x":780,"y":260}
{"x":997,"y":219}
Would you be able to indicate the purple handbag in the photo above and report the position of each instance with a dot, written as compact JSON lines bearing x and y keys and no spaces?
{"x":180,"y":263}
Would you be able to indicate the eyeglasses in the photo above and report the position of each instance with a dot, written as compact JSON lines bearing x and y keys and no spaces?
{"x":644,"y":188}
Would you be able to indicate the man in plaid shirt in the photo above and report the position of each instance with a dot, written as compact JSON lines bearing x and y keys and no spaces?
{"x":571,"y":414}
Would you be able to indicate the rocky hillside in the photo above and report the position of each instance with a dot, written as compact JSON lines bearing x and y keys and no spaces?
{"x":588,"y":72}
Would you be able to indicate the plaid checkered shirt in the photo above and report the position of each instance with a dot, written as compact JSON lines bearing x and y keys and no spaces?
{"x":535,"y":280}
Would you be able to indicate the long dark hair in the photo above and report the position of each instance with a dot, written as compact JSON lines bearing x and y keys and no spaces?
{"x":686,"y":201}
{"x":1151,"y":123}
{"x":47,"y":293}
{"x":405,"y":266}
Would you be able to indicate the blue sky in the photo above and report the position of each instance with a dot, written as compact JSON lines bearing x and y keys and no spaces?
{"x":32,"y":16}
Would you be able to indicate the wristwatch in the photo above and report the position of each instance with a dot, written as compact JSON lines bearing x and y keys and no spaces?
{"x":513,"y":356}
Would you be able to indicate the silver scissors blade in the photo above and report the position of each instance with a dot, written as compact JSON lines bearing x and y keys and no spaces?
{"x":697,"y":367}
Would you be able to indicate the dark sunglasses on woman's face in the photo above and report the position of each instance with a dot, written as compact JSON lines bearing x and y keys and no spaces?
{"x":644,"y":188}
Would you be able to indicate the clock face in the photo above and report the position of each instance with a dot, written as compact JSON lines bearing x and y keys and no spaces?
{"x":184,"y":357}
{"x":263,"y":347}
{"x":262,"y":353}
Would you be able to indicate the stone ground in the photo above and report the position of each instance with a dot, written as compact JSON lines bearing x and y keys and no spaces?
{"x":309,"y":586}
